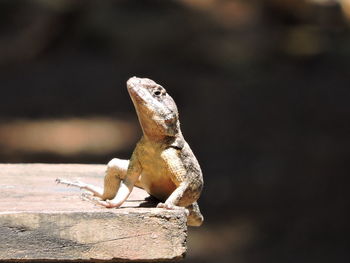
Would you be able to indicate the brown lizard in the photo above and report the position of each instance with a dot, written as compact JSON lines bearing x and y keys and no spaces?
{"x":162,"y":163}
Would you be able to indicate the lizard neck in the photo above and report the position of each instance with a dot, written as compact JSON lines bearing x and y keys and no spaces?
{"x":176,"y":141}
{"x":158,"y":129}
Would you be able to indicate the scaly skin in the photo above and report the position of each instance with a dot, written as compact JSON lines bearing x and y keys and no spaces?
{"x":162,"y":162}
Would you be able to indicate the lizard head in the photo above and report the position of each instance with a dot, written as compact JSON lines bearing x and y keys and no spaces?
{"x":155,"y":108}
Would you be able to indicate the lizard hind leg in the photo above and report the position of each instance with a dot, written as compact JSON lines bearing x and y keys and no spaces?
{"x":195,"y":218}
{"x":95,"y":190}
{"x":116,"y":171}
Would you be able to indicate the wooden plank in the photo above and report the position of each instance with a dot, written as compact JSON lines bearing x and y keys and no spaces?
{"x":40,"y":220}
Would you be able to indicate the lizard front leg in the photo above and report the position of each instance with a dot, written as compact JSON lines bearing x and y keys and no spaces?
{"x":116,"y":171}
{"x":189,"y":186}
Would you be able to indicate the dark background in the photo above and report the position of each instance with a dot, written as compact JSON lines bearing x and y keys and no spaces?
{"x":263,"y":92}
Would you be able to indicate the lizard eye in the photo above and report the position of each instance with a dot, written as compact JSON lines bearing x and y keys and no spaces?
{"x":159,"y":91}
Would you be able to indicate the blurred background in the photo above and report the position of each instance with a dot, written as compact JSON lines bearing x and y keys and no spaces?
{"x":263,"y":93}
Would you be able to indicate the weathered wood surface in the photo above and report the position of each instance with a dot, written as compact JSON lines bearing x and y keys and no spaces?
{"x":40,"y":220}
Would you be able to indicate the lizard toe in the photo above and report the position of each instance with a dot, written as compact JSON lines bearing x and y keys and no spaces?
{"x":166,"y":206}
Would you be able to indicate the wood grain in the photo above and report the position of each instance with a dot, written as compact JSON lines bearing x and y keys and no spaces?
{"x":40,"y":220}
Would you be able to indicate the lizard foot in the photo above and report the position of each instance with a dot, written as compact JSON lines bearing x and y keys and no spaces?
{"x":172,"y":207}
{"x":87,"y":196}
{"x":167,"y":206}
{"x":98,"y":201}
{"x":108,"y":204}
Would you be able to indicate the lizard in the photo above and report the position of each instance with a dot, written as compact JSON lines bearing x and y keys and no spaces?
{"x":162,"y":162}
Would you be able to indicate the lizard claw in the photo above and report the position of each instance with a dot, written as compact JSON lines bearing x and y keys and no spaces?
{"x":96,"y":200}
{"x":89,"y":197}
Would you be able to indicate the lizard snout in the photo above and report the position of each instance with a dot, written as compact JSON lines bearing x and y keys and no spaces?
{"x":133,"y":82}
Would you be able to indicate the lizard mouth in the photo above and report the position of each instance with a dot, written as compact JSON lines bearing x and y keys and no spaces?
{"x":137,"y":94}
{"x":133,"y":86}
